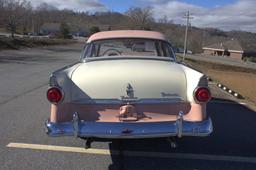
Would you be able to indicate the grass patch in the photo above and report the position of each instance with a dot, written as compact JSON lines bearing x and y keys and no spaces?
{"x":2,"y":29}
{"x":205,"y":65}
{"x":251,"y":59}
{"x":9,"y":43}
{"x":240,"y":79}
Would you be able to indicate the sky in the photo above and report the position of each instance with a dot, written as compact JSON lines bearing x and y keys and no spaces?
{"x":223,"y":14}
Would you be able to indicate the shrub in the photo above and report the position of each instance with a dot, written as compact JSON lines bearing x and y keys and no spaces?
{"x":251,"y":59}
{"x":9,"y":43}
{"x":64,"y":31}
{"x":94,"y":29}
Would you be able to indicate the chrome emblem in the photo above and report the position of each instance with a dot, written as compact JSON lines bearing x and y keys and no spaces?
{"x":129,"y":94}
{"x":129,"y":91}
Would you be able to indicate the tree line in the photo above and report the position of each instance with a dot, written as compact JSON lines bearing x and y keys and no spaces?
{"x":18,"y":16}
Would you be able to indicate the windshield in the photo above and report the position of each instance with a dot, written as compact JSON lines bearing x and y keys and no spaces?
{"x":128,"y":47}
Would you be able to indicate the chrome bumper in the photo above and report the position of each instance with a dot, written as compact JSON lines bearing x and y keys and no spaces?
{"x":80,"y":128}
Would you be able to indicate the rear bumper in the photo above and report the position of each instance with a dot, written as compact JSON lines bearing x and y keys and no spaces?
{"x":81,"y":128}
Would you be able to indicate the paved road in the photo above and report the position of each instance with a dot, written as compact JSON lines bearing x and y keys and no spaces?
{"x":23,"y":108}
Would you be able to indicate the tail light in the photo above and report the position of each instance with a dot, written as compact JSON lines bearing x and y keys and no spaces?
{"x":202,"y":94}
{"x":54,"y":95}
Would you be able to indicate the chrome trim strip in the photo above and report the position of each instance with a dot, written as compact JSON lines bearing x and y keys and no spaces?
{"x":131,"y":101}
{"x":53,"y":81}
{"x":138,"y":129}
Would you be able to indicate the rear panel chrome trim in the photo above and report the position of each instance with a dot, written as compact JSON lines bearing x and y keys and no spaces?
{"x":131,"y":101}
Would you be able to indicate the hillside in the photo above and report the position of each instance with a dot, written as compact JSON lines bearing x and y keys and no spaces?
{"x":24,"y":19}
{"x":198,"y":37}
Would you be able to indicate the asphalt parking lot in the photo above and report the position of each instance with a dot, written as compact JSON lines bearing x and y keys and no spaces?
{"x":24,"y":145}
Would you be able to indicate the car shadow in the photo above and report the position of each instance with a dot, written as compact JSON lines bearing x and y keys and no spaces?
{"x":234,"y":129}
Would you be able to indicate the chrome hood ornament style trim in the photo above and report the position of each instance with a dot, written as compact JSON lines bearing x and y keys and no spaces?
{"x":129,"y":91}
{"x":129,"y":94}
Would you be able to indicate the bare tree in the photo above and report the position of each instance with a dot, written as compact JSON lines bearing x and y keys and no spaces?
{"x":14,"y":12}
{"x":2,"y":3}
{"x":2,"y":11}
{"x":44,"y":13}
{"x":140,"y":18}
{"x":27,"y":17}
{"x":165,"y":20}
{"x":46,"y":7}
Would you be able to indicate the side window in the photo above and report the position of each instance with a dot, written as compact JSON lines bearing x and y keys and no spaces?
{"x":95,"y":50}
{"x":167,"y":49}
{"x":158,"y":49}
{"x":84,"y":51}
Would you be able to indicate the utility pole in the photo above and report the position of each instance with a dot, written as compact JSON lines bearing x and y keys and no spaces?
{"x":187,"y":16}
{"x":203,"y":41}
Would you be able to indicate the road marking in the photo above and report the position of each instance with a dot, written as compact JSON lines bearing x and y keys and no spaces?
{"x":206,"y":157}
{"x":59,"y":148}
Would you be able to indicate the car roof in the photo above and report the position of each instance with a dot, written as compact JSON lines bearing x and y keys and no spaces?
{"x":126,"y":34}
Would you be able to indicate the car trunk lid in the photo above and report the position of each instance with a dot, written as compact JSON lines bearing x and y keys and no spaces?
{"x":128,"y":79}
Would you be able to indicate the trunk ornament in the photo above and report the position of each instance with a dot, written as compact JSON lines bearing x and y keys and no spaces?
{"x":129,"y":94}
{"x":129,"y":91}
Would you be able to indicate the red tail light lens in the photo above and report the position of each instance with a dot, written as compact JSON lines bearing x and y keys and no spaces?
{"x":202,"y":94}
{"x":54,"y":95}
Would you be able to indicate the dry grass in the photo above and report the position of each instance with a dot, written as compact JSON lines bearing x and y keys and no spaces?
{"x":204,"y":66}
{"x":239,"y":79}
{"x":2,"y":29}
{"x":244,"y":83}
{"x":9,"y":43}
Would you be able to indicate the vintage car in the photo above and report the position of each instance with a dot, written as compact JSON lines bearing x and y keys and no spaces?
{"x":128,"y":84}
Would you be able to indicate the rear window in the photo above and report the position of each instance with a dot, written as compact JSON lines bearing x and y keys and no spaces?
{"x":128,"y":47}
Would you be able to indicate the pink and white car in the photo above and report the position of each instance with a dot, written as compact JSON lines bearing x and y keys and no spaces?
{"x":128,"y":84}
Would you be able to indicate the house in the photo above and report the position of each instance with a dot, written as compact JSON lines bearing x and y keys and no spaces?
{"x":231,"y":48}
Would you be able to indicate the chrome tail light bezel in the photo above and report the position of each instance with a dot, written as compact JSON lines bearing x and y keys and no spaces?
{"x":195,"y":94}
{"x":61,"y":92}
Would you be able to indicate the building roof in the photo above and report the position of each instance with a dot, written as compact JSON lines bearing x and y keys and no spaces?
{"x":126,"y":34}
{"x":234,"y":45}
{"x":230,"y":45}
{"x":215,"y":46}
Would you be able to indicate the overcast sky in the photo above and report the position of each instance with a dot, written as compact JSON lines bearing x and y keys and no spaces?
{"x":223,"y":14}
